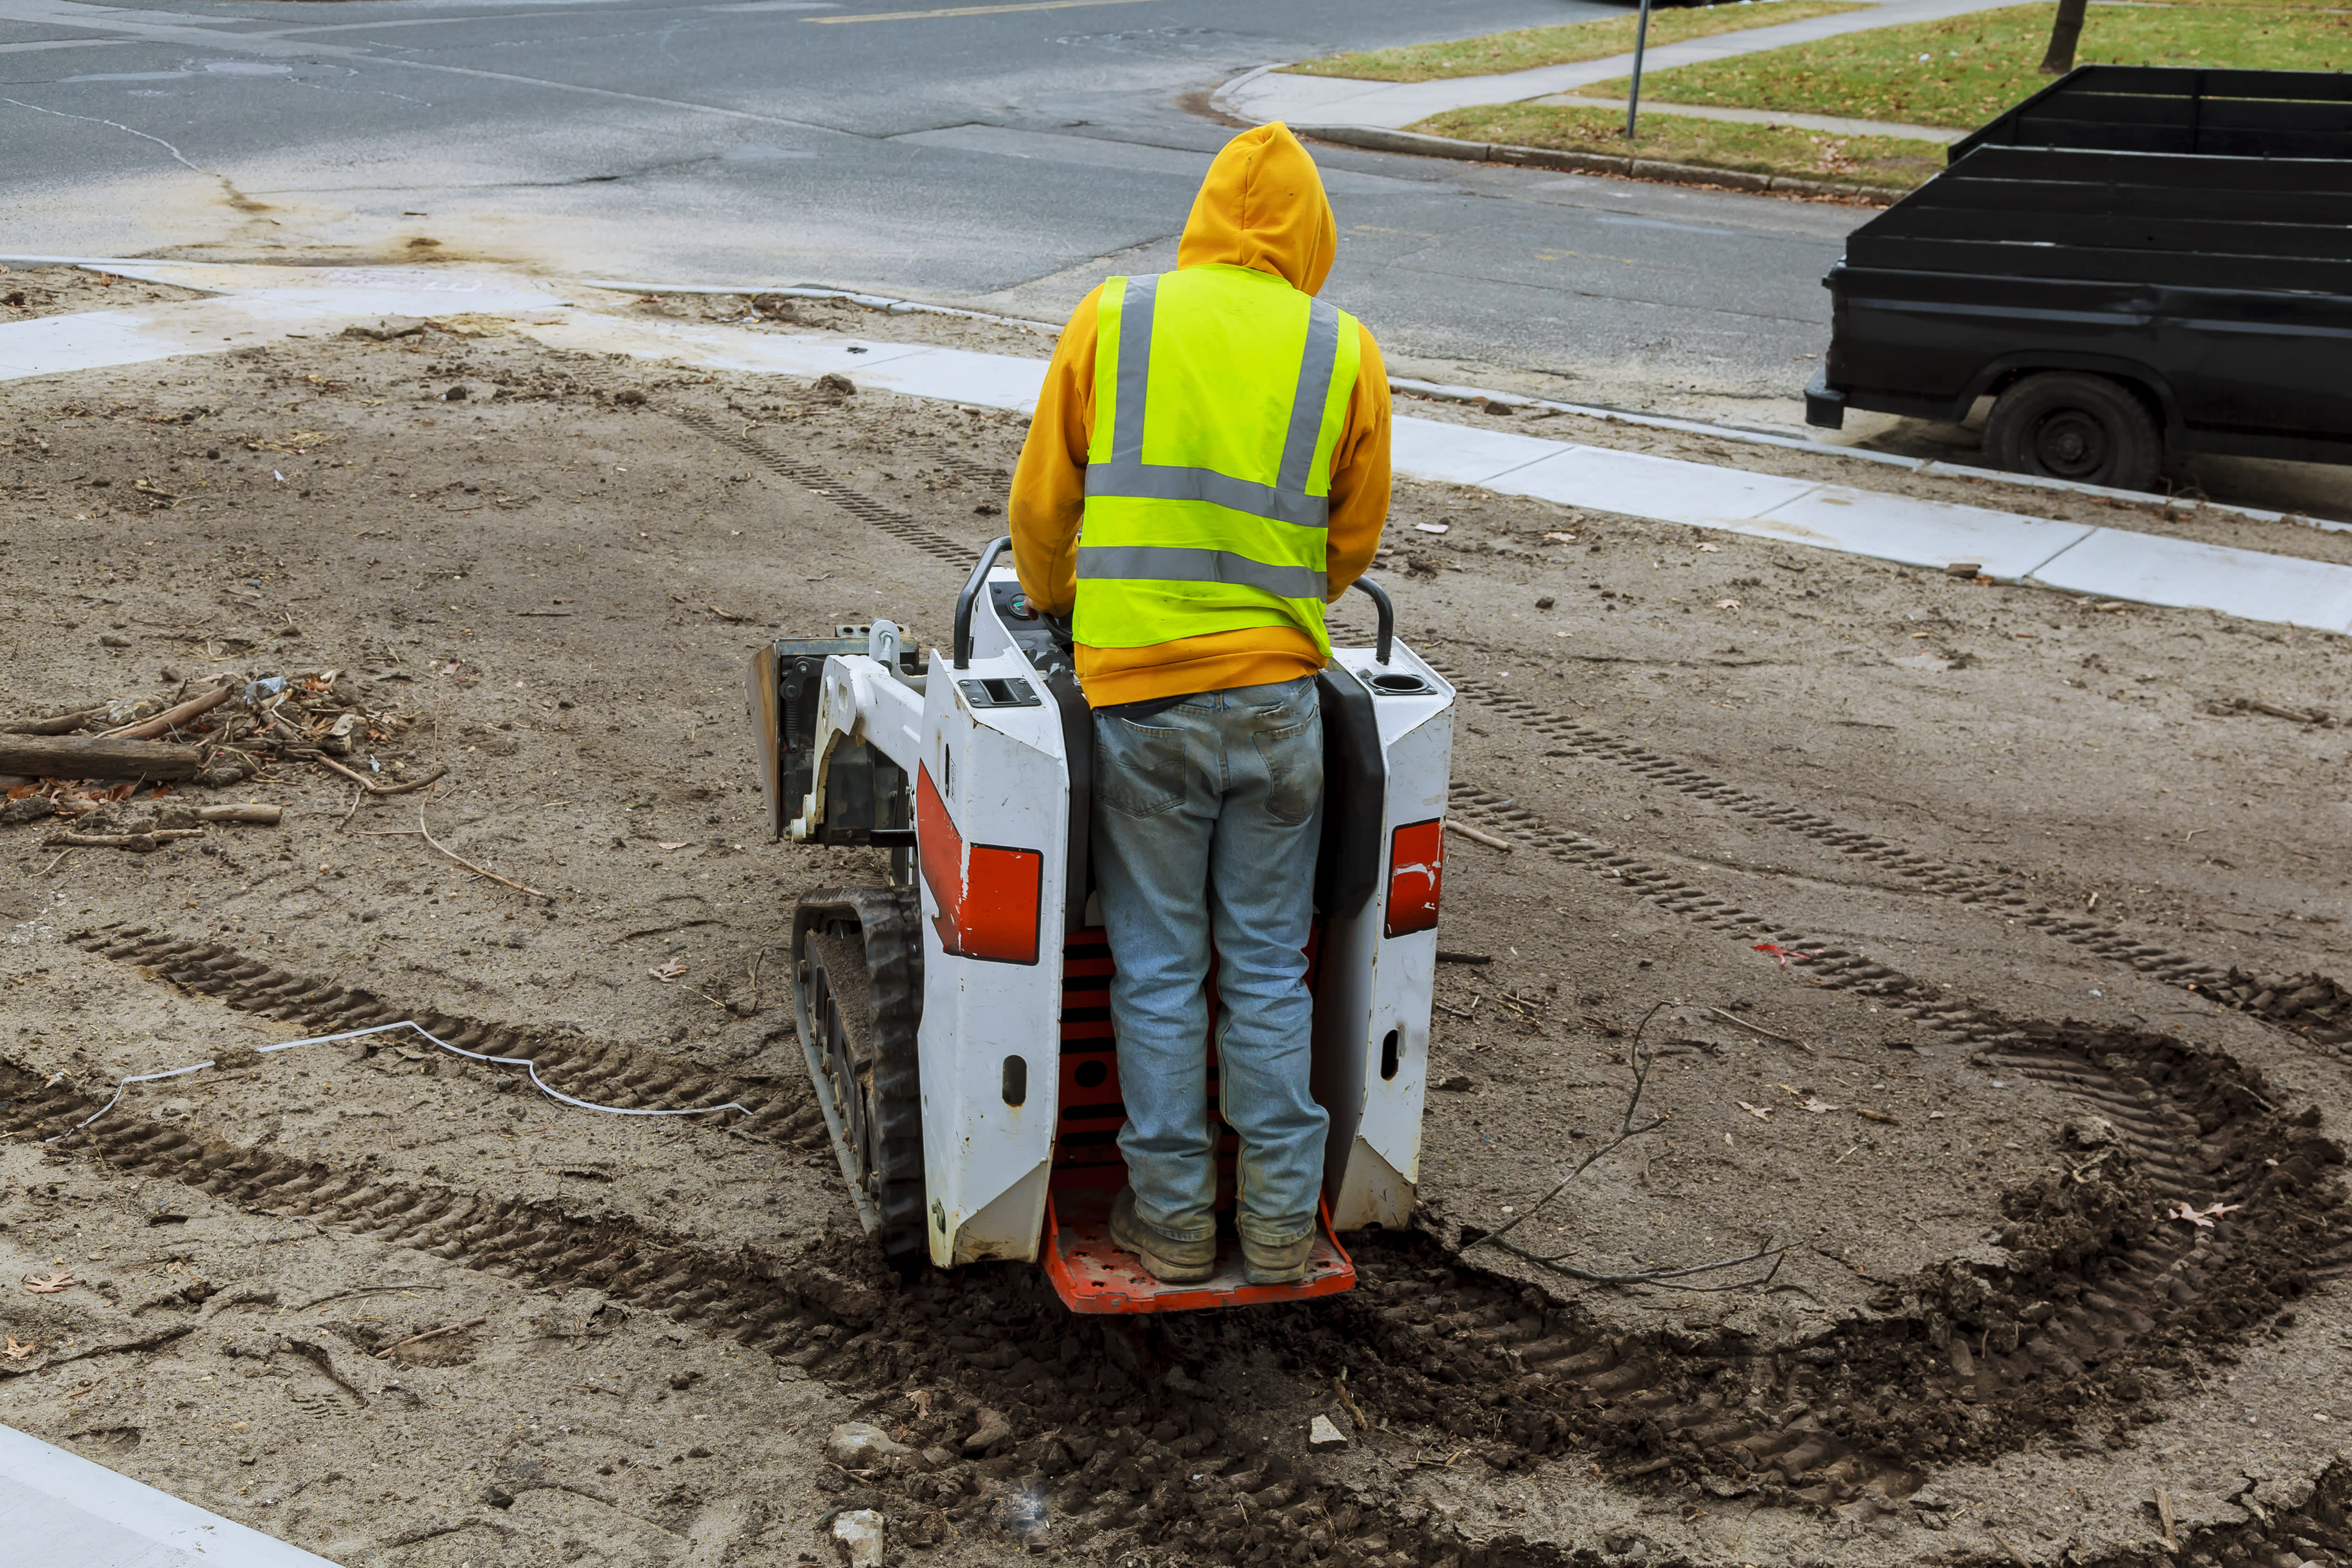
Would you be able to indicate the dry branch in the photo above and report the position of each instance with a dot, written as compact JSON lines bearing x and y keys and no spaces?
{"x":96,"y":756}
{"x":258,"y":815}
{"x":1476,"y":836}
{"x":372,"y":787}
{"x":431,"y":1334}
{"x":137,"y":843}
{"x":55,"y":723}
{"x":426,"y":834}
{"x":149,"y":727}
{"x":1629,"y":1127}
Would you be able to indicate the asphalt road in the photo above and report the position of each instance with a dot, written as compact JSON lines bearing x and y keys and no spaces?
{"x":1006,"y":155}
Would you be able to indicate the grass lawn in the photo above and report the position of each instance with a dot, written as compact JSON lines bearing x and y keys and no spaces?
{"x":1534,"y":47}
{"x":1888,"y":160}
{"x":1976,"y":66}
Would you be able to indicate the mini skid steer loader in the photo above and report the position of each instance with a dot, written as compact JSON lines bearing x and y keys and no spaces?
{"x":957,"y":1023}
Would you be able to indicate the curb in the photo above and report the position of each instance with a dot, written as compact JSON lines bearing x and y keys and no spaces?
{"x":1374,"y":139}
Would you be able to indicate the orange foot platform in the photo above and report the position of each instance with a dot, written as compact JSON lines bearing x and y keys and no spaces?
{"x":1094,"y":1274}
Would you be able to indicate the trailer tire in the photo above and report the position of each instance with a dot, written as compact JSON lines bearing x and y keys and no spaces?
{"x":858,"y":994}
{"x":2065,"y":424}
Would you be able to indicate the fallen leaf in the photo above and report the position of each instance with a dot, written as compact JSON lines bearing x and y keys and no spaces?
{"x":1783,"y":955}
{"x":1561,"y":539}
{"x":1727,"y":604}
{"x":1876,"y":1116}
{"x":1817,"y":1106}
{"x":670,"y":971}
{"x":678,"y":845}
{"x":50,"y":1285}
{"x":2202,"y":1217}
{"x":1758,"y":1111}
{"x":19,"y":1349}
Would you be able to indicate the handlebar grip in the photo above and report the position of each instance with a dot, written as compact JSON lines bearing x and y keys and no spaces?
{"x":971,"y":594}
{"x":1387,"y":638}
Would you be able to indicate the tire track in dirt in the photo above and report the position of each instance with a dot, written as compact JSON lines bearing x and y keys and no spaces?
{"x":782,"y":1110}
{"x":2313,"y":1006}
{"x":865,"y":508}
{"x":1109,"y":1426}
{"x":2097,"y":1288}
{"x":2176,"y":1114}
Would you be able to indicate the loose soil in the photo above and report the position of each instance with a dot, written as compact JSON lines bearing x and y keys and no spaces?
{"x":27,"y":292}
{"x":1971,"y":934}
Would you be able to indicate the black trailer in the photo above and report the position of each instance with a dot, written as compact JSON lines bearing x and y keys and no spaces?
{"x":2134,"y":261}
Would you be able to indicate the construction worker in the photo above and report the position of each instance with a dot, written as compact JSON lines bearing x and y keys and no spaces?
{"x":1208,"y":468}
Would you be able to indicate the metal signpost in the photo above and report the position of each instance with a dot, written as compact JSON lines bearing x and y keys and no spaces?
{"x":1640,"y":44}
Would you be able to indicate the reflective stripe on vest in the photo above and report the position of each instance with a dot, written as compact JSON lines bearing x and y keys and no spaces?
{"x":1250,"y":375}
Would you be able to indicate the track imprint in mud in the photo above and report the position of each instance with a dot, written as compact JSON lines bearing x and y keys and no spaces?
{"x":865,"y":508}
{"x":599,"y":1072}
{"x":1121,"y":1427}
{"x":2313,"y":1006}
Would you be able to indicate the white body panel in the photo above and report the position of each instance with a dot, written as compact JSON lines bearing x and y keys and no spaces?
{"x":1371,"y":983}
{"x":1003,"y":780}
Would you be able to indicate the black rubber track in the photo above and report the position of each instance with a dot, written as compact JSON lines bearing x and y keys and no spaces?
{"x":875,"y":1056}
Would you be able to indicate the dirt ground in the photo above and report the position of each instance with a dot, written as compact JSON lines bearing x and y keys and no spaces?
{"x":28,"y":292}
{"x":1973,"y":932}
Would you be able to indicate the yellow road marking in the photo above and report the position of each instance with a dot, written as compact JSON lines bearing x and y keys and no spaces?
{"x":970,"y":11}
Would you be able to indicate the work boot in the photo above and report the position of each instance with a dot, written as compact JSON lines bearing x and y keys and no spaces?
{"x":1165,"y":1259}
{"x":1275,"y":1262}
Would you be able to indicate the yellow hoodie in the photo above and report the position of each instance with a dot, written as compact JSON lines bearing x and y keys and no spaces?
{"x":1261,"y":206}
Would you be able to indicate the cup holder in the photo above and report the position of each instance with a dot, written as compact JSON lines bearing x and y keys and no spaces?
{"x":1399,"y":684}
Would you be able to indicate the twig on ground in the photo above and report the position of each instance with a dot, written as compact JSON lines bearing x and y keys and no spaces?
{"x":1629,"y":1127}
{"x":431,"y":1334}
{"x":1759,"y":1028}
{"x":359,"y":793}
{"x":1476,"y":836}
{"x":55,"y":723}
{"x":363,"y":1291}
{"x":426,"y":834}
{"x":1340,"y":1387}
{"x":137,"y":843}
{"x":257,"y":816}
{"x":753,"y":1004}
{"x":372,"y":787}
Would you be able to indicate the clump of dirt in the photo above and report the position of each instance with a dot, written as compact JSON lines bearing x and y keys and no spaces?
{"x":29,"y":292}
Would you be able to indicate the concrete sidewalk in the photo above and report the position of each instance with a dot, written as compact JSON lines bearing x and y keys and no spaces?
{"x":1270,"y":94}
{"x":59,"y":1511}
{"x":2075,"y":557}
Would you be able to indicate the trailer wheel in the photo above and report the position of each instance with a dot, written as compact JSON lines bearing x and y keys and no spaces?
{"x":2064,"y":425}
{"x":858,"y":962}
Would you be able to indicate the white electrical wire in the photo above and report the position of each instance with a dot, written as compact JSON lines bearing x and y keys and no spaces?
{"x":523,"y":1062}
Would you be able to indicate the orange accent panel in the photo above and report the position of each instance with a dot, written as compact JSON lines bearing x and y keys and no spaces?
{"x":1092,"y":1274}
{"x":989,"y":897}
{"x":1416,"y":870}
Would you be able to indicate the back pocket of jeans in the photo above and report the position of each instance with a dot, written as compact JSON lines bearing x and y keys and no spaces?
{"x":1293,"y":756}
{"x":1139,"y":769}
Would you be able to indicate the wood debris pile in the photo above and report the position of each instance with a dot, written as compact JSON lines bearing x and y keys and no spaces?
{"x":223,"y":730}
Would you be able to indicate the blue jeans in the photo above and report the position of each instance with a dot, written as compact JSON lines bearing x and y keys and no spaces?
{"x":1207,"y":817}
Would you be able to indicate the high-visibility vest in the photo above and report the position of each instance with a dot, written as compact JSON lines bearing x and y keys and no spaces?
{"x":1220,"y":393}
